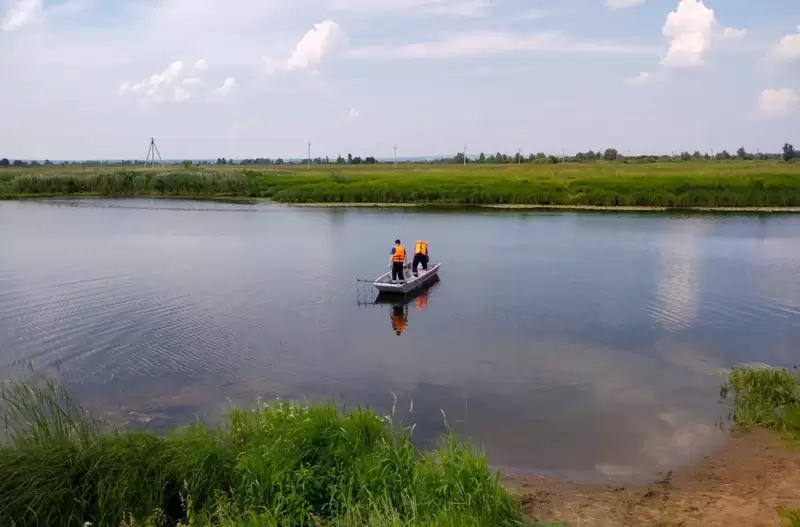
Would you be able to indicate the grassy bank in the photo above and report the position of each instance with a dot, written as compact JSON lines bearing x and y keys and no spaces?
{"x":278,"y":464}
{"x":767,"y":398}
{"x":747,"y":184}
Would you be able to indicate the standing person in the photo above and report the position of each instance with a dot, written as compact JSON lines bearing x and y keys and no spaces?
{"x":398,"y":261}
{"x":420,"y":256}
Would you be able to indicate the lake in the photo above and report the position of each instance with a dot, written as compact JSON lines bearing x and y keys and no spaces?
{"x":582,"y":345}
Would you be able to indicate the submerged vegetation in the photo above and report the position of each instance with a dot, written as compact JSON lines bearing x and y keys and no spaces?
{"x":278,"y":464}
{"x":678,"y":185}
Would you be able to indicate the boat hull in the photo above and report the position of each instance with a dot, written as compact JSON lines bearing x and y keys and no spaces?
{"x":384,"y":284}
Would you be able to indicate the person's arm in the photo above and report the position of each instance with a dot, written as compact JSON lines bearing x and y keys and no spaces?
{"x":391,"y":257}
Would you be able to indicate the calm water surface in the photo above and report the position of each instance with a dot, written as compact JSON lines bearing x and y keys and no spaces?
{"x":581,"y":345}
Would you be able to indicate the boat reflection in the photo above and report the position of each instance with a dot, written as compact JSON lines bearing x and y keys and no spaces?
{"x":399,"y":305}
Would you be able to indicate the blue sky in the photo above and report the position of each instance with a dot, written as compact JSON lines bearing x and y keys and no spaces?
{"x":247,"y":78}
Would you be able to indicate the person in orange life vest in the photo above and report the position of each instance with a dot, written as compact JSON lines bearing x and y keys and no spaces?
{"x":398,"y":261}
{"x":420,"y":256}
{"x":399,"y":319}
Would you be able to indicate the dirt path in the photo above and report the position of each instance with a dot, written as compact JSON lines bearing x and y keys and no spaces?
{"x":742,"y":484}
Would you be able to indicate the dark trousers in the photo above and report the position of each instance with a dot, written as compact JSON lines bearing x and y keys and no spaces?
{"x":419,"y":258}
{"x":397,"y":271}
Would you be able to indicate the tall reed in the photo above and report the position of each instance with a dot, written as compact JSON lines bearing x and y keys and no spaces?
{"x":277,"y":464}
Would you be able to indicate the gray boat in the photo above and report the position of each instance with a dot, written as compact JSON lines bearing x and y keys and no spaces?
{"x":385,"y":284}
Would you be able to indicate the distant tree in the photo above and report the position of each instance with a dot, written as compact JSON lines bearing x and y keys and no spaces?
{"x":279,"y":161}
{"x":459,"y":158}
{"x":187,"y":164}
{"x":370,"y":160}
{"x":48,"y":162}
{"x":541,"y":155}
{"x":34,"y":163}
{"x":742,"y":153}
{"x":327,"y":160}
{"x":788,"y":152}
{"x":4,"y":162}
{"x":531,"y":158}
{"x":554,"y":160}
{"x":686,"y":156}
{"x":357,"y":160}
{"x":349,"y":158}
{"x":18,"y":163}
{"x":340,"y":160}
{"x":610,"y":154}
{"x":482,"y":158}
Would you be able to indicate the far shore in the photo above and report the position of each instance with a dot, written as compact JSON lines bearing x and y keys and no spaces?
{"x":426,"y":205}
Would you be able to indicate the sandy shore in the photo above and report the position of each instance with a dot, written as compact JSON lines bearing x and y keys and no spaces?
{"x":743,"y":483}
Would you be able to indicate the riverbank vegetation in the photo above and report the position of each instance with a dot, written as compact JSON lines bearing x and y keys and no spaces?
{"x":674,"y":185}
{"x":278,"y":464}
{"x":767,"y":398}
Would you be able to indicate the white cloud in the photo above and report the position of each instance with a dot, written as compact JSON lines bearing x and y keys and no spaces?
{"x":352,"y":114}
{"x":226,"y":88}
{"x":24,"y":13}
{"x":733,"y":33}
{"x":323,"y":40}
{"x":779,"y":102}
{"x":787,"y":49}
{"x":641,"y":78}
{"x":459,"y":8}
{"x":480,"y":43}
{"x":621,"y":4}
{"x":178,"y":83}
{"x":690,"y":29}
{"x":21,"y":14}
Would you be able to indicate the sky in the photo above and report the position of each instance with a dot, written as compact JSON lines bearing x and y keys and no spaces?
{"x":95,"y":79}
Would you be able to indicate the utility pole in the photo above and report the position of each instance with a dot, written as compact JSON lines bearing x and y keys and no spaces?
{"x":395,"y":155}
{"x":309,"y":155}
{"x":562,"y":156}
{"x":151,"y":155}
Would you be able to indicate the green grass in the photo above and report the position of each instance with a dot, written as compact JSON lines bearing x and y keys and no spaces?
{"x":676,"y":185}
{"x":275,"y":465}
{"x":767,"y":398}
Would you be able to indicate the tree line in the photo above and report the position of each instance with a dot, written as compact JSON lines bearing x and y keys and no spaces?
{"x":788,"y":154}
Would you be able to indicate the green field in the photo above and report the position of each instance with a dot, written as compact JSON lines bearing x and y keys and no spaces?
{"x":746,"y":184}
{"x":275,"y":465}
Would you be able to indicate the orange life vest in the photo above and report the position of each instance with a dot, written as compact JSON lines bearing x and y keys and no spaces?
{"x":399,"y":254}
{"x":421,"y":248}
{"x":421,"y":302}
{"x":398,"y":323}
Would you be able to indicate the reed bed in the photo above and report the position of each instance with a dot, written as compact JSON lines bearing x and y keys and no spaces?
{"x":767,"y":398}
{"x":278,"y":464}
{"x":747,"y":184}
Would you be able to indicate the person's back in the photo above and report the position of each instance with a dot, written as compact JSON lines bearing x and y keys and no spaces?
{"x":398,"y":261}
{"x":420,"y":256}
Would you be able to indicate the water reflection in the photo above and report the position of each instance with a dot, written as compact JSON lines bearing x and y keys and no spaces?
{"x":399,"y":304}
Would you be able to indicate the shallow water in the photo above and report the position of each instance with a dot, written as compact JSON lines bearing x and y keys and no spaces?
{"x":578,"y":344}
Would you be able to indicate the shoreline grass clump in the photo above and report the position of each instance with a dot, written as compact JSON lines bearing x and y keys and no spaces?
{"x":670,"y":185}
{"x":275,"y":465}
{"x":767,"y":398}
